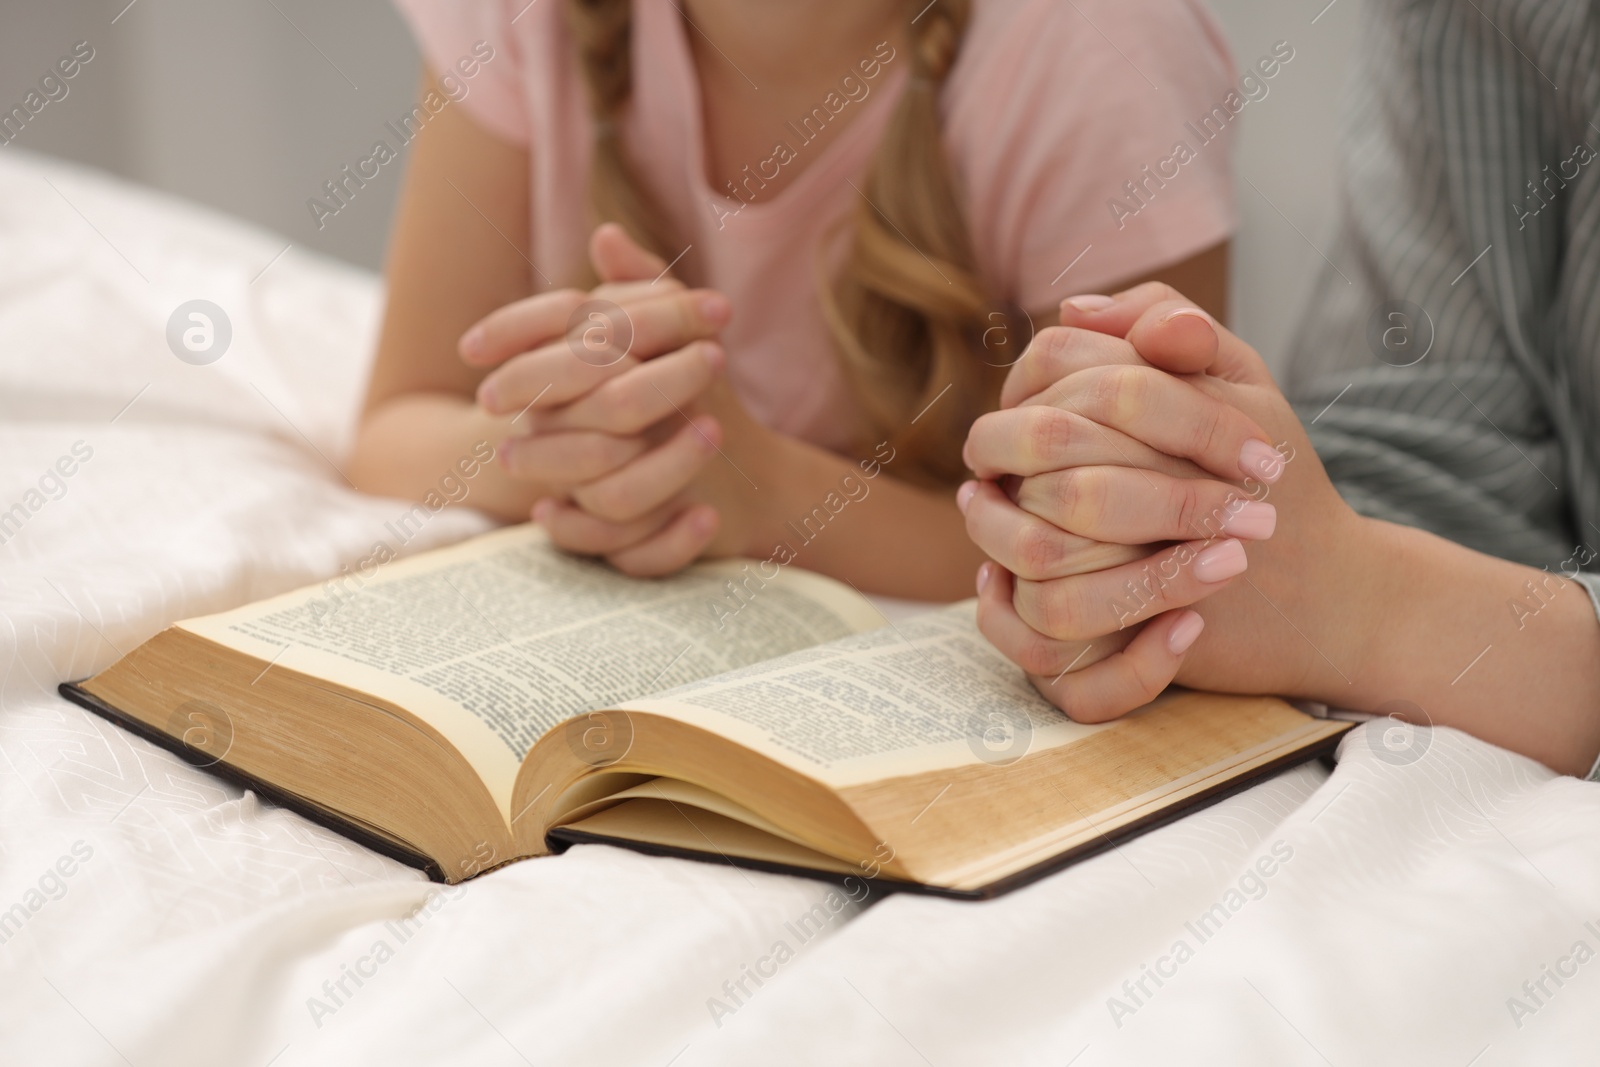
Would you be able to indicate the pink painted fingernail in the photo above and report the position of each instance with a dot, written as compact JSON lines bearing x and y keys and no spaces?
{"x":714,"y":354}
{"x":983,"y":576}
{"x":542,"y":509}
{"x":473,"y":342}
{"x":1189,"y":313}
{"x":964,"y":495}
{"x":1090,"y":303}
{"x":487,"y":397}
{"x":1221,"y":562}
{"x":1250,"y":519}
{"x":1257,"y":459}
{"x":1184,"y":633}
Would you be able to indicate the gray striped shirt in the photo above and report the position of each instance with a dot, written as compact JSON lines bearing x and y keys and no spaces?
{"x":1449,"y":364}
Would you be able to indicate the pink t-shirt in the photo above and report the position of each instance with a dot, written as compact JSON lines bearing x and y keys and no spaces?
{"x":1051,"y":110}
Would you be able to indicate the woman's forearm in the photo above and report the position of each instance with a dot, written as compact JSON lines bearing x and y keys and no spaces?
{"x":1505,"y":652}
{"x":855,"y":521}
{"x":408,"y":444}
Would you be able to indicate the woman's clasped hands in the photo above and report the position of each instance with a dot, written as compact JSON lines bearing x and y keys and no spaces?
{"x":1157,"y":514}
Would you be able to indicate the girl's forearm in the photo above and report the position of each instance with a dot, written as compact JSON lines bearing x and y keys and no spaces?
{"x":408,"y":445}
{"x":851,"y":520}
{"x":1505,"y":652}
{"x":855,"y":521}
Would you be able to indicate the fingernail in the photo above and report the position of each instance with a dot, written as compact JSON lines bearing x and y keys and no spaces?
{"x":1221,"y":562}
{"x":1250,"y":519}
{"x":703,"y":522}
{"x":714,"y":354}
{"x":983,"y":576}
{"x":1189,"y":313}
{"x":1090,"y":303}
{"x":1184,"y":633}
{"x":486,"y":396}
{"x":964,"y":495}
{"x":473,"y":341}
{"x":1260,"y":460}
{"x":715,"y":308}
{"x":542,"y":509}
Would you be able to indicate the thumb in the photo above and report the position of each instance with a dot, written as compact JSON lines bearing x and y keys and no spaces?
{"x":1181,"y":339}
{"x":1168,"y":331}
{"x":617,"y":257}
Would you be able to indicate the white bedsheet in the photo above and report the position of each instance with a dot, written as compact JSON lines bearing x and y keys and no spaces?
{"x":1415,"y":900}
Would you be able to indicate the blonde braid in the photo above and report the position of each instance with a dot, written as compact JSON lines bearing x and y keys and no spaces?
{"x":908,"y":306}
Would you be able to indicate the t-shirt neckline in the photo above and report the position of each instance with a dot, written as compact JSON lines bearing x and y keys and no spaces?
{"x":846,"y":153}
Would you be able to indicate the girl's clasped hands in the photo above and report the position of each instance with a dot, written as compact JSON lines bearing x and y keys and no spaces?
{"x":619,"y":402}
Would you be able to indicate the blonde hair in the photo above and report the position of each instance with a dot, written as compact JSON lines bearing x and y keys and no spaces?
{"x":907,"y":307}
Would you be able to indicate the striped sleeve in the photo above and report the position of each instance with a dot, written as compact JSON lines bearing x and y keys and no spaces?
{"x":1448,"y":368}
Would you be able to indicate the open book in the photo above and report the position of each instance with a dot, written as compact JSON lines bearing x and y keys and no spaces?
{"x":499,"y":699}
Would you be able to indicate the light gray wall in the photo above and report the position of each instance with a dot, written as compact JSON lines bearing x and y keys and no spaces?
{"x":246,"y":105}
{"x":1287,"y":159}
{"x":250,"y":105}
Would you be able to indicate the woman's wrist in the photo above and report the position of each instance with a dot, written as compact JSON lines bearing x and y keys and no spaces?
{"x":1424,"y":606}
{"x":1458,"y":638}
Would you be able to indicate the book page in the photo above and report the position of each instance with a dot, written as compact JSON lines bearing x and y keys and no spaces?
{"x":923,"y":694}
{"x":495,"y":641}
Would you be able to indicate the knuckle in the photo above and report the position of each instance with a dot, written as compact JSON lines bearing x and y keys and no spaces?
{"x":1055,"y":604}
{"x":687,"y":319}
{"x":1048,"y":353}
{"x":1082,"y":496}
{"x":1058,"y":352}
{"x":1049,"y":434}
{"x":1037,"y":550}
{"x":1211,"y":430}
{"x":1037,"y":655}
{"x":1119,"y":394}
{"x":1145,"y":681}
{"x":1188,"y":505}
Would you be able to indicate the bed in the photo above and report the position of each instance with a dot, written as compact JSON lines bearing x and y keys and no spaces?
{"x":1437,"y":903}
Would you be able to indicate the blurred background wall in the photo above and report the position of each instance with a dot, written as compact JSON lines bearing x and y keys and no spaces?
{"x":250,"y":105}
